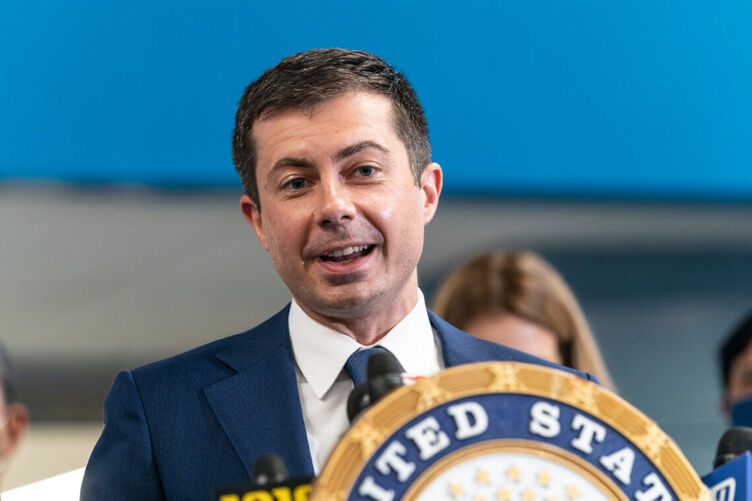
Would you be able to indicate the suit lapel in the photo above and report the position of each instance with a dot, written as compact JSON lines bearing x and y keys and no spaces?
{"x":450,"y":348}
{"x":259,"y":406}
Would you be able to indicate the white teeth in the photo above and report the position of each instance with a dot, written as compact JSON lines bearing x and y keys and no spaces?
{"x":348,"y":250}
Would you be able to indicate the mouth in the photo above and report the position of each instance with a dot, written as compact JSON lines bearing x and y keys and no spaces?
{"x":345,"y":255}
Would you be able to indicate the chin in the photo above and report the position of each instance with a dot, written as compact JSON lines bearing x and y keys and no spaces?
{"x":347,"y":303}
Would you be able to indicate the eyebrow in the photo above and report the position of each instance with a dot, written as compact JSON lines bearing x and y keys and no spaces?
{"x":342,"y":154}
{"x":358,"y":147}
{"x":288,"y":162}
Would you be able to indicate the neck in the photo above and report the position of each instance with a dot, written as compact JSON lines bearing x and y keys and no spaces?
{"x":367,"y":327}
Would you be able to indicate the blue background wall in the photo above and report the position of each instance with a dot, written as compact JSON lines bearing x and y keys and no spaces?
{"x":622,"y":99}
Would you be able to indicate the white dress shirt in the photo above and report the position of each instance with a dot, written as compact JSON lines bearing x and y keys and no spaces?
{"x":323,"y":385}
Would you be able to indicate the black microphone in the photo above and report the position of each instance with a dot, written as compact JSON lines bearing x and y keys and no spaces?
{"x":735,"y":442}
{"x":384,"y":374}
{"x":730,"y":479}
{"x":269,"y":469}
{"x":270,"y":481}
{"x":358,"y":400}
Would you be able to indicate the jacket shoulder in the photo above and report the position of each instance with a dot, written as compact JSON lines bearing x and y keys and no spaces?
{"x":206,"y":363}
{"x":459,"y":347}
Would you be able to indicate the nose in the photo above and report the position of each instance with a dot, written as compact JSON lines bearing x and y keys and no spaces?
{"x":335,"y":207}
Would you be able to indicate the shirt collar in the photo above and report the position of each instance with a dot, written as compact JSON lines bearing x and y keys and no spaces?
{"x":321,"y":352}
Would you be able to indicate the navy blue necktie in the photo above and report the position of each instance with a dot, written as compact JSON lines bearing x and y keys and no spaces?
{"x":357,"y":365}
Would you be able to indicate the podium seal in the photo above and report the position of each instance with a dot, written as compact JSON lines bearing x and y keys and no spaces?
{"x":506,"y":431}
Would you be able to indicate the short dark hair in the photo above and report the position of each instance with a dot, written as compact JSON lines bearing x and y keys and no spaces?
{"x":736,"y":343}
{"x":306,"y":79}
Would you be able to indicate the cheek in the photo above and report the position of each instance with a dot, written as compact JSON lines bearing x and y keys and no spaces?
{"x":282,"y":234}
{"x":402,"y":229}
{"x":402,"y":213}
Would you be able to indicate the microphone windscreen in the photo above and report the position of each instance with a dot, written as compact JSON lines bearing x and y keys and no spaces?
{"x":735,"y":442}
{"x":380,"y":364}
{"x":384,"y":375}
{"x":270,"y":481}
{"x":269,"y":469}
{"x":359,"y":399}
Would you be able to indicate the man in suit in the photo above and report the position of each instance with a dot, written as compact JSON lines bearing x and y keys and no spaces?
{"x":332,"y":148}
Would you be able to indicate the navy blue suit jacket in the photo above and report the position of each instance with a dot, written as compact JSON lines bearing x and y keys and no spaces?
{"x":179,"y":428}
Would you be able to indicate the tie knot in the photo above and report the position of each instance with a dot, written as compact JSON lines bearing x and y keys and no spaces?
{"x":357,"y":365}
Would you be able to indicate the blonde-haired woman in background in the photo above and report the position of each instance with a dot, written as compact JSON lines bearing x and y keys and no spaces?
{"x":519,"y":300}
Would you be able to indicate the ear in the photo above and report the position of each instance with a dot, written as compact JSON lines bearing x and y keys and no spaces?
{"x":431,"y":181}
{"x":253,"y":215}
{"x":18,"y":421}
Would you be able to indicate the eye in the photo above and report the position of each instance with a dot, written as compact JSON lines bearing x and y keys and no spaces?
{"x":365,"y":171}
{"x":296,"y":184}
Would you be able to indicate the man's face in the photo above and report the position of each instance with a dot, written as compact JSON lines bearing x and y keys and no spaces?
{"x":341,"y":214}
{"x":740,"y":378}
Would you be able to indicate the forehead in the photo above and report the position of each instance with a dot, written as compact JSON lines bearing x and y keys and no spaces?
{"x":352,"y":116}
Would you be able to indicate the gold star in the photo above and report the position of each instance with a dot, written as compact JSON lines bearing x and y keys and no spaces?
{"x":456,"y":490}
{"x":479,"y":498}
{"x":528,"y":495}
{"x":513,"y":474}
{"x":368,"y":436}
{"x":503,"y":495}
{"x":429,"y":394}
{"x":573,"y":492}
{"x":544,"y":478}
{"x":481,"y":476}
{"x":504,"y":378}
{"x":651,"y":441}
